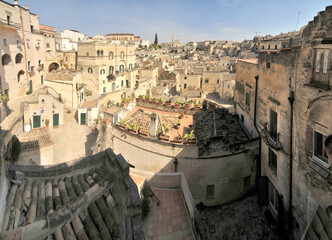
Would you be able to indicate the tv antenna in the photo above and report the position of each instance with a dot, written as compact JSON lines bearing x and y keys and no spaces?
{"x":256,"y":33}
{"x":298,"y":18}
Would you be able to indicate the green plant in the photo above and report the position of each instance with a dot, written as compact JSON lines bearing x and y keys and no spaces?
{"x":197,"y":104}
{"x":191,"y":135}
{"x":140,"y":96}
{"x":165,"y":128}
{"x":178,"y":137}
{"x":68,"y":111}
{"x":186,"y":103}
{"x":28,"y":92}
{"x":147,"y":97}
{"x":154,"y":99}
{"x":47,"y":122}
{"x":165,"y":84}
{"x":122,"y":121}
{"x":161,"y":100}
{"x":135,"y":127}
{"x":177,"y":102}
{"x":169,"y":101}
{"x":117,"y":104}
{"x":5,"y":97}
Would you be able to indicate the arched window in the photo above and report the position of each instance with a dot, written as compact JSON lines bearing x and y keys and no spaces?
{"x":121,"y":68}
{"x":102,"y":71}
{"x":111,"y":55}
{"x":111,"y":69}
{"x":20,"y":75}
{"x":98,"y":53}
{"x":5,"y":59}
{"x":90,"y":70}
{"x":19,"y":58}
{"x":130,"y":66}
{"x":121,"y":83}
{"x":102,"y":53}
{"x":113,"y":86}
{"x":122,"y":55}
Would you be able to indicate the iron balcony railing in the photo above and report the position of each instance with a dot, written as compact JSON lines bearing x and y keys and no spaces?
{"x":11,"y":24}
{"x":270,"y":138}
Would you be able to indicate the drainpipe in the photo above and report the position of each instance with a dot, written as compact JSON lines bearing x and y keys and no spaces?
{"x":176,"y":165}
{"x":255,"y":124}
{"x":76,"y":57}
{"x":291,"y":101}
{"x":24,"y":47}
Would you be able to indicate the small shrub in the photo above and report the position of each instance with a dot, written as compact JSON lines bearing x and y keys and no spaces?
{"x":16,"y":148}
{"x":28,"y":92}
{"x":68,"y":111}
{"x":145,"y":207}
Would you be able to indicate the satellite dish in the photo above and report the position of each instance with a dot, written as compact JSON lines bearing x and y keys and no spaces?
{"x":27,"y":128}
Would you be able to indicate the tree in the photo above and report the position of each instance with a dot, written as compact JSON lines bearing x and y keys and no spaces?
{"x":156,"y":39}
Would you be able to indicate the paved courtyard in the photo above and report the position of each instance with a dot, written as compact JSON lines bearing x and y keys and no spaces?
{"x":170,"y":220}
{"x":72,"y":141}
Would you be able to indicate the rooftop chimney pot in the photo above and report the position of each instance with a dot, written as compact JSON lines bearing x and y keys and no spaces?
{"x":26,"y":7}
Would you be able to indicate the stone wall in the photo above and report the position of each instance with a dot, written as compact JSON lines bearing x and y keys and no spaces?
{"x":226,"y":171}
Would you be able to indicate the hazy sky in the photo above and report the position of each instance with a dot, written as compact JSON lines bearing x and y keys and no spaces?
{"x":188,"y":20}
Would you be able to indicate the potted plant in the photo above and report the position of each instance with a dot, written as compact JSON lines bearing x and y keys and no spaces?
{"x":134,"y":128}
{"x":154,"y":100}
{"x":122,"y":124}
{"x":169,"y":103}
{"x":124,"y":102}
{"x":178,"y":138}
{"x":197,"y":105}
{"x":47,"y":123}
{"x":187,"y":105}
{"x":161,"y":101}
{"x":140,"y":97}
{"x":191,"y":138}
{"x":181,"y":115}
{"x":163,"y":136}
{"x":177,"y":104}
{"x":144,"y":132}
{"x":178,"y":124}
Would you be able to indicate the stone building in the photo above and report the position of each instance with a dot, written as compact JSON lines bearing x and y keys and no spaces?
{"x":22,"y":50}
{"x":103,"y":65}
{"x":94,"y":198}
{"x":286,"y":96}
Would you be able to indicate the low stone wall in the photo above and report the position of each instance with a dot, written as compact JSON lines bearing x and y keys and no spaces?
{"x":176,"y":180}
{"x":226,"y":171}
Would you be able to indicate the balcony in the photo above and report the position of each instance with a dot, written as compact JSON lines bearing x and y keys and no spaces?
{"x":41,"y":67}
{"x":271,"y":139}
{"x":9,"y":24}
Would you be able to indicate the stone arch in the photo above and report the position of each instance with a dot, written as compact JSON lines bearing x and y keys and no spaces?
{"x":53,"y":66}
{"x":19,"y":58}
{"x":20,"y":75}
{"x":5,"y":59}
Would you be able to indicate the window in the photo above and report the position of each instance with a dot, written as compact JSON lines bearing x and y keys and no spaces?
{"x":269,"y":47}
{"x":5,"y":42}
{"x":268,"y":65}
{"x":19,"y":58}
{"x":98,"y":53}
{"x":185,"y":86}
{"x":102,"y":53}
{"x":210,"y":192}
{"x":39,"y":62}
{"x":29,"y":65}
{"x":28,"y":43}
{"x":90,"y":70}
{"x":111,"y":69}
{"x":47,"y":45}
{"x":273,"y":161}
{"x":130,"y":66}
{"x":8,"y":20}
{"x":111,"y":55}
{"x":321,"y":66}
{"x":206,"y":80}
{"x":104,"y":89}
{"x":121,"y":83}
{"x":31,"y":27}
{"x":87,"y":54}
{"x":242,"y":118}
{"x":273,"y":198}
{"x":66,"y":58}
{"x":248,"y":100}
{"x":273,"y":124}
{"x":318,"y":148}
{"x":122,"y":55}
{"x":275,"y":46}
{"x":263,"y":47}
{"x":121,"y":68}
{"x":185,"y":78}
{"x":102,"y":71}
{"x":217,"y":80}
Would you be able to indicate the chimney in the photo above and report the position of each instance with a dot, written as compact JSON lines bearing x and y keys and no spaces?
{"x":153,"y":125}
{"x":15,"y":3}
{"x":26,"y":7}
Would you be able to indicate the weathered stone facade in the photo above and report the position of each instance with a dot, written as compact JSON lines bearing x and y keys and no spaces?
{"x":296,"y":77}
